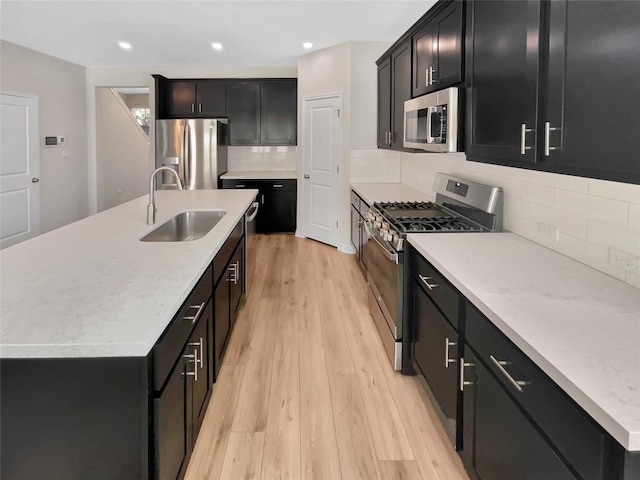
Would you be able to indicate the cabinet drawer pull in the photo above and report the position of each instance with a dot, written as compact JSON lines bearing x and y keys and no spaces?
{"x":200,"y":345}
{"x":425,"y":280}
{"x":448,"y":360}
{"x":194,"y":318}
{"x":500,"y":364}
{"x":463,"y":364}
{"x":277,"y":185}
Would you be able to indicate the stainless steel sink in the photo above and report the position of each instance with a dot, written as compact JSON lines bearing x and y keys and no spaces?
{"x":185,"y":227}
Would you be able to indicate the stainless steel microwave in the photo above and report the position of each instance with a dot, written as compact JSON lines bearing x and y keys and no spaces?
{"x":431,"y":122}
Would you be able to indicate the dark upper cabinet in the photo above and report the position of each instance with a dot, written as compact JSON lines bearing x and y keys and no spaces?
{"x":591,"y":111}
{"x":262,"y":112}
{"x":278,"y":112}
{"x":437,"y":51}
{"x":552,"y":86}
{"x":384,"y":102}
{"x":211,"y":98}
{"x":243,"y":103}
{"x":190,"y":98}
{"x":501,"y":74}
{"x":394,"y":88}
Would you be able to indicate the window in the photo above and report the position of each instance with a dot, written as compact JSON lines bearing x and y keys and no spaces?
{"x":143,"y":117}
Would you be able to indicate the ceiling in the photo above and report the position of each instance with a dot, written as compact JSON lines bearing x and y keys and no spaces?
{"x":180,"y":32}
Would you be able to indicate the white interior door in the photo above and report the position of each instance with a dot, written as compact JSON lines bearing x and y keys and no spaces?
{"x":321,"y":160}
{"x":19,"y":169}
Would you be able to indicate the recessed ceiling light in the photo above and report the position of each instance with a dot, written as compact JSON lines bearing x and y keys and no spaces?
{"x":216,"y":46}
{"x":124,"y":45}
{"x":307,"y":45}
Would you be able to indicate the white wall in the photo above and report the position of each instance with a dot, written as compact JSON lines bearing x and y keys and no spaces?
{"x":122,"y":152}
{"x":60,"y":87}
{"x":348,"y":69}
{"x":141,"y":77}
{"x":591,"y":215}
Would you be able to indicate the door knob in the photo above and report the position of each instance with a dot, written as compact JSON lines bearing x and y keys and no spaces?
{"x":35,"y":180}
{"x":306,"y":175}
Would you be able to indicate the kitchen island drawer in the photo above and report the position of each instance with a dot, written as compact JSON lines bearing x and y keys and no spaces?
{"x":575,"y":435}
{"x":445,"y":297}
{"x":224,"y":254}
{"x":167,"y":350}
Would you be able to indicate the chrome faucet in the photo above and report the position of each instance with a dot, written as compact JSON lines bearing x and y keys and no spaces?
{"x":151,"y":208}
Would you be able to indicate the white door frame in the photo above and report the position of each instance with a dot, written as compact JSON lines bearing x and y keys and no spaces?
{"x":302,"y":222}
{"x":34,"y":149}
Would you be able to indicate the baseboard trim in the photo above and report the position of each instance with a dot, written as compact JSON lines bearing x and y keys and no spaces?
{"x":348,"y":248}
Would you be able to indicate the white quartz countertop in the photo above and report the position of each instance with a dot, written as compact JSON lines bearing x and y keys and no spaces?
{"x":580,"y":326}
{"x":92,"y":289}
{"x":389,"y":192}
{"x":270,"y":175}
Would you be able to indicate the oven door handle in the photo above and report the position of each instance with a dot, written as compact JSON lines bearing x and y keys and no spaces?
{"x":393,"y":256}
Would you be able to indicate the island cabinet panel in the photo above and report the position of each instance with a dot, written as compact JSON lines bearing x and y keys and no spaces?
{"x":547,"y":93}
{"x":236,"y":282}
{"x":74,"y":418}
{"x":221,"y":321}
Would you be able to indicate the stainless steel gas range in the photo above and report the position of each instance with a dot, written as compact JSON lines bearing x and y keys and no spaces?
{"x":460,"y":206}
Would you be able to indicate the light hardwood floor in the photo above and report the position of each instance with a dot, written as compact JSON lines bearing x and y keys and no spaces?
{"x":306,"y":390}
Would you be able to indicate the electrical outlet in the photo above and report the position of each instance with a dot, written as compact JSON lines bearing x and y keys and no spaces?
{"x":623,"y":260}
{"x":548,"y":231}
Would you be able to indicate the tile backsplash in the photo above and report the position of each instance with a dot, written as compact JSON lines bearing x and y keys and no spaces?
{"x":263,"y":158}
{"x":579,"y":217}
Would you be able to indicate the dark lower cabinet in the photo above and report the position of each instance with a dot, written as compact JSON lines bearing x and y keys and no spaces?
{"x":435,"y":352}
{"x":277,"y":201}
{"x":503,"y":443}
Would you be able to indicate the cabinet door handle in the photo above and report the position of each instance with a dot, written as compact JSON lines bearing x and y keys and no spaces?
{"x":464,"y":364}
{"x":200,"y":345}
{"x":277,"y":185}
{"x":500,"y":364}
{"x":426,"y":77}
{"x":448,"y":360}
{"x":523,"y":140}
{"x":262,"y":199}
{"x":431,"y":79}
{"x":195,"y":317}
{"x":199,"y":108}
{"x":425,"y":280}
{"x":193,"y":108}
{"x":390,"y":138}
{"x":547,"y":136}
{"x":233,"y":269}
{"x":240,"y":185}
{"x":193,"y":374}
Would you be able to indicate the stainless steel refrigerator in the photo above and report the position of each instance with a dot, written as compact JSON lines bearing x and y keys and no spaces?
{"x":196,"y":148}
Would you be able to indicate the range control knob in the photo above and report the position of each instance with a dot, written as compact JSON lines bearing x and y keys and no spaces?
{"x":377,"y":224}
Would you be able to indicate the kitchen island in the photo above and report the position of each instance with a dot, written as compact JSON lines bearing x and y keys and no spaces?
{"x":91,"y":340}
